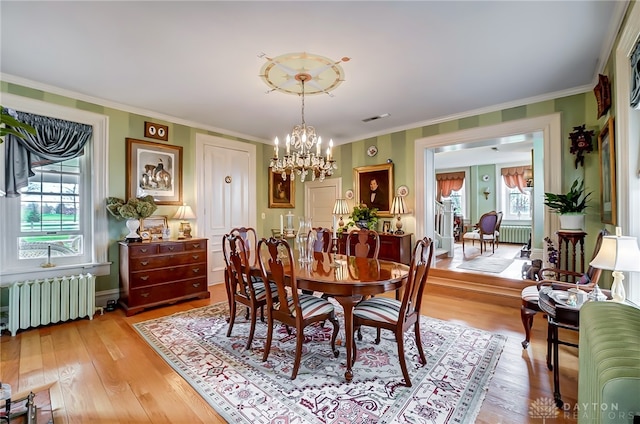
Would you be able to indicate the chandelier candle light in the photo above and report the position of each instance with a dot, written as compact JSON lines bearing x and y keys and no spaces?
{"x":307,"y":150}
{"x":618,"y":254}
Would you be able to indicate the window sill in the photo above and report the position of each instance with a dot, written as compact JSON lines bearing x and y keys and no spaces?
{"x":23,"y":274}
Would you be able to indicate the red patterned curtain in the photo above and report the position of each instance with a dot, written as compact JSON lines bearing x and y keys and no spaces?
{"x":448,"y":182}
{"x":514,"y":177}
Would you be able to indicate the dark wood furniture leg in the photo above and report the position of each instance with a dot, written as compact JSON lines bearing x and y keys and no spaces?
{"x":527,"y":315}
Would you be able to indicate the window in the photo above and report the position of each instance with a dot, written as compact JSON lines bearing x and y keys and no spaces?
{"x":516,"y":205}
{"x":50,"y":212}
{"x":62,"y":209}
{"x":458,"y":203}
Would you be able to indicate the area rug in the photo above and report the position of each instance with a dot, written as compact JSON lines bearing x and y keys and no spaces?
{"x":243,"y":389}
{"x":485,"y":264}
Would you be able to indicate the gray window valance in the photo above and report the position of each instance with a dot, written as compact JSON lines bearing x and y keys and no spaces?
{"x":55,"y":140}
{"x":635,"y":76}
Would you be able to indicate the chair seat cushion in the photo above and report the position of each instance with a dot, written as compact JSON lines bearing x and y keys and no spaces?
{"x":530,"y":294}
{"x":473,"y":235}
{"x":311,"y":306}
{"x":382,"y":309}
{"x":261,"y":292}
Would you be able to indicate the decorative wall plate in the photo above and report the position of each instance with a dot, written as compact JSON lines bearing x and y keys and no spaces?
{"x":372,"y":151}
{"x":402,"y":191}
{"x":485,"y":177}
{"x":348,"y":194}
{"x":157,"y":131}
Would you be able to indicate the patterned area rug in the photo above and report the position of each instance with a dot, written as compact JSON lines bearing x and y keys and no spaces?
{"x":243,"y":389}
{"x":493,"y":265}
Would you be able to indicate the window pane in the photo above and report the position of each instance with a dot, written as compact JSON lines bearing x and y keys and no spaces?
{"x":50,"y":213}
{"x":519,"y":204}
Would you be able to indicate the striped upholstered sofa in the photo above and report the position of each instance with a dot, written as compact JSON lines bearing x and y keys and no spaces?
{"x":609,"y":358}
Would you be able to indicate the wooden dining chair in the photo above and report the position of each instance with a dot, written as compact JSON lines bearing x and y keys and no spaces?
{"x":241,"y":287}
{"x":296,"y":310}
{"x":322,"y":241}
{"x":367,"y":243}
{"x":399,"y":315}
{"x":250,"y":238}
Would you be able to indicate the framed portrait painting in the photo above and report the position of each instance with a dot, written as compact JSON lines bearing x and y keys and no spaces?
{"x":374,"y":186}
{"x":281,"y":192}
{"x":606,"y":150}
{"x":154,"y":169}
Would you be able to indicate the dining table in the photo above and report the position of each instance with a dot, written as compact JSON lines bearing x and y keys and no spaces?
{"x":348,"y":279}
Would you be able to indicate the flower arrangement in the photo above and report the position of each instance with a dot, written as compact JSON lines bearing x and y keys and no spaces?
{"x":134,"y":208}
{"x":552,"y":252}
{"x":362,"y":213}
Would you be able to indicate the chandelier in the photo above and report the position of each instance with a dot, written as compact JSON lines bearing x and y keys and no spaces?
{"x":303,"y":150}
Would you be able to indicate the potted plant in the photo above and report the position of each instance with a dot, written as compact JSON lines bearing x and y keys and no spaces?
{"x":133,"y":210}
{"x":363,"y":217}
{"x":570,"y":207}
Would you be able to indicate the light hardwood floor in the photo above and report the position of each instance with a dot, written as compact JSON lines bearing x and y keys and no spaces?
{"x":105,"y":373}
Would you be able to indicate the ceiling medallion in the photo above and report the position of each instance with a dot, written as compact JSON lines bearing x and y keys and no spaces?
{"x":280,"y":72}
{"x":292,"y":74}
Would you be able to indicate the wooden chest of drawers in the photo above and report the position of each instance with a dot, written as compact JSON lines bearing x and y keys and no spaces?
{"x":393,"y":247}
{"x":161,"y":272}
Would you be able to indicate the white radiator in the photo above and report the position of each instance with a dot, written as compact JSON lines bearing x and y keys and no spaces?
{"x":41,"y":302}
{"x":514,"y":234}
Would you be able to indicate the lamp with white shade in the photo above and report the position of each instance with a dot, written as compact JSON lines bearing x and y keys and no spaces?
{"x":340,"y":208}
{"x":184,"y":214}
{"x":398,"y":208}
{"x":618,"y":254}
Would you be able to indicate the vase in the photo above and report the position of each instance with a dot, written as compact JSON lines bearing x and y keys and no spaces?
{"x":302,"y":239}
{"x":133,"y":225}
{"x":363,"y":223}
{"x":572,"y":221}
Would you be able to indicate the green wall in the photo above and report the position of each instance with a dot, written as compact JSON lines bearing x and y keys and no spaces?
{"x":398,"y":146}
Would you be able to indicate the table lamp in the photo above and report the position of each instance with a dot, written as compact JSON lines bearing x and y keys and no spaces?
{"x":398,"y":208}
{"x":184,"y":213}
{"x":340,"y":208}
{"x":618,"y":254}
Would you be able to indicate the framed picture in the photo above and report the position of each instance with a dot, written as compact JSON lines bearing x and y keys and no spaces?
{"x":374,"y":186}
{"x":154,"y":224}
{"x":281,"y":192}
{"x":606,"y":149}
{"x":386,"y":226}
{"x":145,"y":235}
{"x":154,"y":169}
{"x":603,"y":94}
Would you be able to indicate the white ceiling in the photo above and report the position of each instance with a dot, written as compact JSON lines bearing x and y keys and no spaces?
{"x":197,"y":63}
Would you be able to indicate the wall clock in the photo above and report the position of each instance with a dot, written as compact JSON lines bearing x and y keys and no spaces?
{"x":157,"y":131}
{"x":485,"y":177}
{"x":372,"y":151}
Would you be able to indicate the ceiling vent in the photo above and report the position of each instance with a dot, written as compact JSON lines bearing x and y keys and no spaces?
{"x":373,"y":118}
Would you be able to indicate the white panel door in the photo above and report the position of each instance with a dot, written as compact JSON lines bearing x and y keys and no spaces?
{"x":226,"y":195}
{"x":319,"y":200}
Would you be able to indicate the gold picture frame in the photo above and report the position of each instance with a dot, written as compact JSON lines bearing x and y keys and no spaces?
{"x":607,"y":154}
{"x":154,"y":169}
{"x":383,"y":176}
{"x":282,"y":193}
{"x":155,"y":224}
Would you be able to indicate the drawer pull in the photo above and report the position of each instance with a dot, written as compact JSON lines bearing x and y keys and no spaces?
{"x":196,"y":245}
{"x":171,"y":248}
{"x":196,"y":270}
{"x":196,"y":284}
{"x":172,"y":269}
{"x":144,"y":250}
{"x":145,"y":263}
{"x":196,"y":256}
{"x":144,"y":294}
{"x":144,"y":277}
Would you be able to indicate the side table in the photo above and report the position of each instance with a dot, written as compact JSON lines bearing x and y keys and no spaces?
{"x":570,"y":247}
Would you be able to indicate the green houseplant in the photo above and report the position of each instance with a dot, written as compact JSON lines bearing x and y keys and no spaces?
{"x":364,"y":217}
{"x":570,"y":206}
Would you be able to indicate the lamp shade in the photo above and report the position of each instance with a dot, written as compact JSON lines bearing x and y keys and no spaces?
{"x":184,"y":212}
{"x":340,"y":207}
{"x":618,"y":253}
{"x":397,"y":206}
